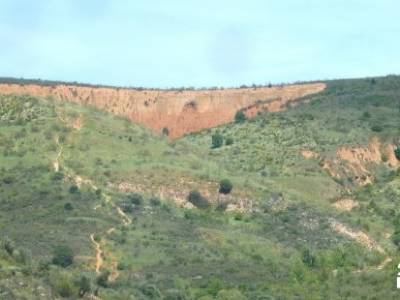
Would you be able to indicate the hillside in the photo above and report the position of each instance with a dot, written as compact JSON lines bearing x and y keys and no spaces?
{"x":313,"y":213}
{"x":180,"y":112}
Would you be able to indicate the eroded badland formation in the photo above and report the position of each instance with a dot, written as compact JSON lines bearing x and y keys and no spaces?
{"x":181,"y":112}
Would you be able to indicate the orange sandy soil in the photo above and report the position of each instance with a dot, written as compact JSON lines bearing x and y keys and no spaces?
{"x":181,"y":112}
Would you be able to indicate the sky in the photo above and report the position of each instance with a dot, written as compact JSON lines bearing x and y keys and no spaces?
{"x":204,"y":43}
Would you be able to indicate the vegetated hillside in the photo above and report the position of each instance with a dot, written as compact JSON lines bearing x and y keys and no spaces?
{"x":177,"y":112}
{"x":313,"y":213}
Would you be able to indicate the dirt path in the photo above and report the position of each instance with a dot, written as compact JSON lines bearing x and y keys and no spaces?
{"x":79,"y":181}
{"x":363,"y":239}
{"x":99,"y":254}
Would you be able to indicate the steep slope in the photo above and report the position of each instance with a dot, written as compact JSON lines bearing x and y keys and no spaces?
{"x":69,"y":173}
{"x":181,"y":112}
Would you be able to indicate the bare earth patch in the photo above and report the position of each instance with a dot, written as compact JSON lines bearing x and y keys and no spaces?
{"x":357,"y":235}
{"x":309,"y":154}
{"x":356,"y":162}
{"x":182,"y":112}
{"x":345,"y":204}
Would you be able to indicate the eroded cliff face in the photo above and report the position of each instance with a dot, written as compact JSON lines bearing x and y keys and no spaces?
{"x":181,"y":112}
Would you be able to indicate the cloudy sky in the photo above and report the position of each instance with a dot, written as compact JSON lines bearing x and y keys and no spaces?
{"x":198,"y":43}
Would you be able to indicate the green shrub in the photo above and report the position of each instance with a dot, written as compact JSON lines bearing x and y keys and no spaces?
{"x":225,"y":186}
{"x":63,"y":256}
{"x":135,"y":198}
{"x":8,"y":179}
{"x":68,"y":206}
{"x":102,"y":279}
{"x":397,"y":153}
{"x":217,"y":140}
{"x":222,"y":206}
{"x":57,"y":176}
{"x":229,"y":141}
{"x":366,"y":115}
{"x":8,"y":245}
{"x":84,"y":286}
{"x":155,"y":201}
{"x":165,"y":131}
{"x":150,"y":291}
{"x":230,"y":294}
{"x":308,"y":258}
{"x":240,"y":117}
{"x":376,"y":128}
{"x":396,"y":238}
{"x":74,"y":189}
{"x":127,"y":207}
{"x":198,"y":200}
{"x":64,"y":287}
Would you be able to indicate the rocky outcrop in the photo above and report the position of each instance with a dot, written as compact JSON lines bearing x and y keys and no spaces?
{"x":181,"y":112}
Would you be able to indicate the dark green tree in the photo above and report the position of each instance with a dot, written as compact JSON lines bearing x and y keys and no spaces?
{"x":63,"y":256}
{"x":397,"y":153}
{"x":165,"y":131}
{"x":240,"y":117}
{"x":225,"y":186}
{"x":217,"y":140}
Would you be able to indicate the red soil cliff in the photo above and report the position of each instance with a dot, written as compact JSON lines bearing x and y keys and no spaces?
{"x":181,"y":112}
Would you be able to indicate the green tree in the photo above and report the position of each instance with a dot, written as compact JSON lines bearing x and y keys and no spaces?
{"x":225,"y":186}
{"x":217,"y":140}
{"x":63,"y":256}
{"x":240,"y":117}
{"x":165,"y":131}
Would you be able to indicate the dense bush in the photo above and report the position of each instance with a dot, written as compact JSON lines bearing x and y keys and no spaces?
{"x":229,"y":141}
{"x":165,"y":131}
{"x":198,"y":200}
{"x":84,"y":286}
{"x":63,"y":286}
{"x":308,"y":258}
{"x":63,"y":256}
{"x":225,"y":186}
{"x":102,"y":279}
{"x":376,"y":128}
{"x":68,"y":206}
{"x":217,"y":140}
{"x":397,"y":153}
{"x":155,"y":201}
{"x":135,"y":198}
{"x":74,"y":189}
{"x":8,"y":245}
{"x":240,"y":117}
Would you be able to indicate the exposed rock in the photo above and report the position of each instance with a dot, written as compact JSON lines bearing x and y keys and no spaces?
{"x":181,"y":112}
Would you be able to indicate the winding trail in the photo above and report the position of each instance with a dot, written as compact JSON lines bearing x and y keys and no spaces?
{"x":79,"y":181}
{"x":99,"y":254}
